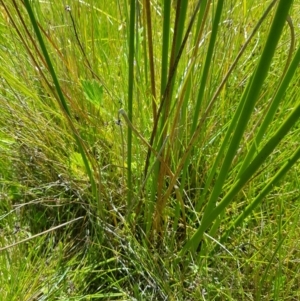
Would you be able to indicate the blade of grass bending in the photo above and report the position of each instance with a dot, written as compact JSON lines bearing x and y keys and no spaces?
{"x":250,"y":95}
{"x":284,"y":169}
{"x":284,"y":82}
{"x":202,"y":16}
{"x":235,"y":118}
{"x":287,"y":75}
{"x":260,"y":158}
{"x":60,"y":94}
{"x":158,"y":158}
{"x":47,"y":57}
{"x":246,"y":176}
{"x":130,"y":99}
{"x":255,"y":85}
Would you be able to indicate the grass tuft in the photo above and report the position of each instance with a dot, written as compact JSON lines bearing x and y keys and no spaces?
{"x":149,"y":150}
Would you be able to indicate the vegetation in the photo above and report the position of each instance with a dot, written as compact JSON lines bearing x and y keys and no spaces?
{"x":149,"y":150}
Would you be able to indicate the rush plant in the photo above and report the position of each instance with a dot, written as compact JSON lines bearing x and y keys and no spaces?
{"x":162,"y":126}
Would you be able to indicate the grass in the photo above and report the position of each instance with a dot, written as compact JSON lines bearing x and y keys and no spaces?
{"x":149,"y":151}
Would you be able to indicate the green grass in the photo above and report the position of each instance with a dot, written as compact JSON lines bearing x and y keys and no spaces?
{"x":149,"y":150}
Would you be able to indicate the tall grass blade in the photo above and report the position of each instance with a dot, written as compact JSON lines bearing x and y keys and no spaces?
{"x":61,"y":96}
{"x":130,"y":98}
{"x":151,"y":56}
{"x":250,"y":95}
{"x":209,"y":55}
{"x":274,"y":105}
{"x":249,"y":209}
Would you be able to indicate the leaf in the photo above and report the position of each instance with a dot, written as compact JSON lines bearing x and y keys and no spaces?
{"x":93,"y":91}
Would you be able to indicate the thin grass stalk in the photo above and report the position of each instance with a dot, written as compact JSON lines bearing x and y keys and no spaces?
{"x":130,"y":98}
{"x":281,"y":236}
{"x":151,"y":56}
{"x":26,"y":29}
{"x":181,"y":106}
{"x":185,"y":159}
{"x":222,"y":150}
{"x":183,"y":103}
{"x":203,"y":15}
{"x":165,"y":45}
{"x":167,"y":99}
{"x":207,"y":64}
{"x":161,"y":201}
{"x":41,"y":233}
{"x":62,"y":102}
{"x":178,"y":42}
{"x":155,"y":153}
{"x":69,"y":10}
{"x":211,"y":213}
{"x":163,"y":99}
{"x":204,"y":8}
{"x":163,"y":84}
{"x":145,"y":51}
{"x":181,"y":9}
{"x":266,"y":271}
{"x":48,"y":37}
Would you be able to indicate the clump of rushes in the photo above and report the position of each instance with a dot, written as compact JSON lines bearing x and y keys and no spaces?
{"x":157,"y":142}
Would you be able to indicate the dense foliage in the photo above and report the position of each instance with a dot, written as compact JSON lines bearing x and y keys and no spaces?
{"x":148,"y":150}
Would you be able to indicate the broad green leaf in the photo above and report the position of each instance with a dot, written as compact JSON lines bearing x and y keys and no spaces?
{"x":93,"y":91}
